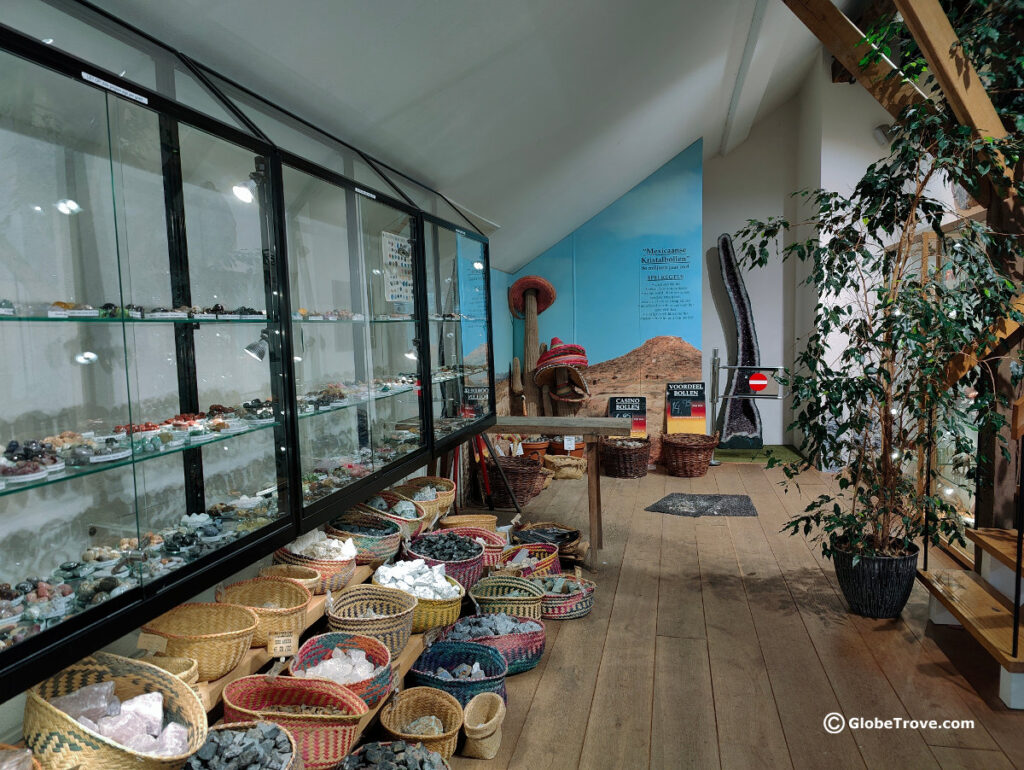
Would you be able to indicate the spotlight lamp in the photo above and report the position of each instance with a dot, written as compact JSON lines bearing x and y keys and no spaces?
{"x":259,"y":348}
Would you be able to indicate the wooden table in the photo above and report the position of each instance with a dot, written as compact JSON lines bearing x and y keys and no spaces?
{"x":591,"y":428}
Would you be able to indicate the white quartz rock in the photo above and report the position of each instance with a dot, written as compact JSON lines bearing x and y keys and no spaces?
{"x":416,"y":578}
{"x":316,"y":545}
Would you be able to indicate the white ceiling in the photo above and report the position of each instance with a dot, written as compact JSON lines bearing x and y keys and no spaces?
{"x":534,"y":114}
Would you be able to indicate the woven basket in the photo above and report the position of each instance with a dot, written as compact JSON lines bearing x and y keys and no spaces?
{"x":445,"y":491}
{"x":9,"y":747}
{"x":491,"y":595}
{"x":565,"y":467}
{"x":568,"y":550}
{"x":334,"y":575}
{"x":467,"y":571}
{"x":410,"y":527}
{"x":371,"y":549}
{"x":289,"y":614}
{"x":431,"y":613}
{"x":365,"y":746}
{"x":215,"y":635}
{"x":520,"y":651}
{"x":372,"y":690}
{"x":323,"y":740}
{"x":495,"y":543}
{"x":243,"y":726}
{"x":548,"y":564}
{"x":61,"y":743}
{"x":479,"y":520}
{"x":524,"y":479}
{"x":572,"y":605}
{"x":186,"y":669}
{"x":449,"y":655}
{"x":622,"y":462}
{"x":687,"y":454}
{"x":397,"y":608}
{"x":482,"y":720}
{"x":307,"y":577}
{"x":417,"y":702}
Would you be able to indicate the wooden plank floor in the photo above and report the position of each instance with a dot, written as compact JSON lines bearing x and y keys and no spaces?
{"x":724,"y":643}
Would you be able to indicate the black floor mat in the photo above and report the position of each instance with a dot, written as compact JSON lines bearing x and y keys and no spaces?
{"x":680,"y":504}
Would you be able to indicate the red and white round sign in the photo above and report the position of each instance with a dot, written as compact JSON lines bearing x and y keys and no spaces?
{"x":757,"y":382}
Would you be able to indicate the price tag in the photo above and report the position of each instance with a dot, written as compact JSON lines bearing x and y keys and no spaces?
{"x":518,"y":449}
{"x":569,"y":442}
{"x":282,"y":643}
{"x":152,"y":643}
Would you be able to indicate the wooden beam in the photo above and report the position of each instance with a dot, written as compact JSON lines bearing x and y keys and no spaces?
{"x":962,"y":363}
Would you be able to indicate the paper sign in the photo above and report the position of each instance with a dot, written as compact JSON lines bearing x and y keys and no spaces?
{"x":569,"y":443}
{"x":282,"y":643}
{"x":152,"y":643}
{"x":518,"y":449}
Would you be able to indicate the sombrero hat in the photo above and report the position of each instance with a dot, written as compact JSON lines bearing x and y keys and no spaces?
{"x":563,"y":354}
{"x":517,"y":292}
{"x":576,"y":385}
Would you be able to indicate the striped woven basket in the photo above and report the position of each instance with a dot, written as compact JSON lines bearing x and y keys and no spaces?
{"x":317,"y":648}
{"x":372,"y":549}
{"x":293,"y":764}
{"x":432,"y":613}
{"x":186,"y":669}
{"x":334,"y":575}
{"x":409,"y":705}
{"x":520,"y":651}
{"x":307,"y":577}
{"x":448,"y":655}
{"x":215,"y":635}
{"x":60,"y":742}
{"x":410,"y":527}
{"x":495,"y":543}
{"x":467,"y":571}
{"x":492,"y":595}
{"x":571,"y":605}
{"x":323,"y":740}
{"x":479,"y":520}
{"x":358,"y":752}
{"x":279,"y":603}
{"x":347,"y":612}
{"x":9,"y":747}
{"x":445,"y":490}
{"x":547,"y":554}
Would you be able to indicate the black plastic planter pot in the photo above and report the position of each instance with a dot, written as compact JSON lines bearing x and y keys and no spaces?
{"x":878,"y":586}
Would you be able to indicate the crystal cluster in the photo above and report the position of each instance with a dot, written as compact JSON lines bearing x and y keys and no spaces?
{"x":15,"y":759}
{"x":402,"y":508}
{"x":496,"y":624}
{"x":398,"y":755}
{"x":425,"y":493}
{"x":343,"y":667}
{"x":316,"y":545}
{"x":137,"y":723}
{"x":416,"y":578}
{"x":447,"y":546}
{"x":262,"y":747}
{"x":462,"y":672}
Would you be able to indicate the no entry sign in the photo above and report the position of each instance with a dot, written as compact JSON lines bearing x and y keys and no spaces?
{"x":757,"y":382}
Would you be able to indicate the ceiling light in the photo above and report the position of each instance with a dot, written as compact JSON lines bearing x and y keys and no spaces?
{"x":478,"y":265}
{"x":68,"y":206}
{"x":259,"y":348}
{"x":37,"y":209}
{"x":86,"y":357}
{"x":411,"y":354}
{"x":245,"y":192}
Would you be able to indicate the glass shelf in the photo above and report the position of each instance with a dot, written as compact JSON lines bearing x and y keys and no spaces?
{"x":357,"y":402}
{"x":326,"y":321}
{"x":97,"y":319}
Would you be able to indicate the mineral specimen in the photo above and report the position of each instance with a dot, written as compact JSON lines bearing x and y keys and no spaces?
{"x":447,"y":546}
{"x":416,"y":578}
{"x":343,"y":667}
{"x":262,"y":747}
{"x":495,"y":624}
{"x":394,"y":756}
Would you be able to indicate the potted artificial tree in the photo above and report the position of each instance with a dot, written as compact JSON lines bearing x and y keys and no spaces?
{"x":871,"y":386}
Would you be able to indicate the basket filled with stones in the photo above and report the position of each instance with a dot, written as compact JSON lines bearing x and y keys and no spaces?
{"x":376,"y":538}
{"x":565,"y":597}
{"x":360,"y":663}
{"x":531,"y":559}
{"x":438,"y":597}
{"x":397,"y":754}
{"x":424,"y":715}
{"x":462,"y":557}
{"x":410,"y":516}
{"x":251,"y":745}
{"x":512,"y":595}
{"x":463,"y":669}
{"x":520,"y":640}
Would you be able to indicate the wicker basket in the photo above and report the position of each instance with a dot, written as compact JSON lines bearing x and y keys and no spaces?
{"x":9,"y":747}
{"x":215,"y":635}
{"x":365,"y":746}
{"x":431,"y":613}
{"x":479,"y":520}
{"x":687,"y":454}
{"x":371,"y":549}
{"x":186,"y":669}
{"x":566,"y":467}
{"x":396,"y":607}
{"x":623,"y":462}
{"x":410,"y":527}
{"x":567,"y":550}
{"x":548,"y":564}
{"x":571,"y":605}
{"x":445,"y":490}
{"x":243,"y":726}
{"x":494,"y":543}
{"x":323,"y":740}
{"x":287,"y":602}
{"x":482,"y":720}
{"x":467,"y":571}
{"x":449,"y":655}
{"x":524,"y":479}
{"x":372,"y":690}
{"x":520,"y":651}
{"x":334,"y":575}
{"x":61,"y":743}
{"x":417,"y":702}
{"x":307,"y":577}
{"x":492,"y":595}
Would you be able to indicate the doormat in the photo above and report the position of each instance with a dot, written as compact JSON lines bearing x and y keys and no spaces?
{"x":681,"y":504}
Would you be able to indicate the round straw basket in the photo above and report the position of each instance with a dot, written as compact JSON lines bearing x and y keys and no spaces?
{"x":395,"y":610}
{"x":416,"y":702}
{"x":334,"y":575}
{"x":687,"y":454}
{"x":445,"y":490}
{"x":466,"y":571}
{"x":492,"y":595}
{"x":59,"y":742}
{"x":307,"y":577}
{"x":317,"y":648}
{"x":479,"y":520}
{"x":431,"y":613}
{"x":293,"y":763}
{"x":547,"y":554}
{"x":520,"y":651}
{"x":216,"y":636}
{"x":279,"y":603}
{"x":410,"y":527}
{"x":449,"y":655}
{"x":371,"y":548}
{"x":186,"y":669}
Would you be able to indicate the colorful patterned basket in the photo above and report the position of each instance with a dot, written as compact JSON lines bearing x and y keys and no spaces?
{"x":410,"y":527}
{"x":492,"y":595}
{"x":520,"y":651}
{"x":334,"y":575}
{"x":58,"y":741}
{"x":307,"y":577}
{"x":366,"y":746}
{"x":215,"y":635}
{"x":467,"y":571}
{"x":371,"y":549}
{"x":445,"y":491}
{"x":323,"y":740}
{"x":548,"y":564}
{"x":346,"y":612}
{"x":567,"y":550}
{"x":431,"y":613}
{"x":479,"y":520}
{"x":495,"y":543}
{"x":372,"y":690}
{"x":572,"y":605}
{"x":417,"y":702}
{"x":449,"y":655}
{"x":244,"y":726}
{"x":279,"y":603}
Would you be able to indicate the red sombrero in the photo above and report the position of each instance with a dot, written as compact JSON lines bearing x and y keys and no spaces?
{"x":517,"y":291}
{"x":545,"y":375}
{"x":563,"y":354}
